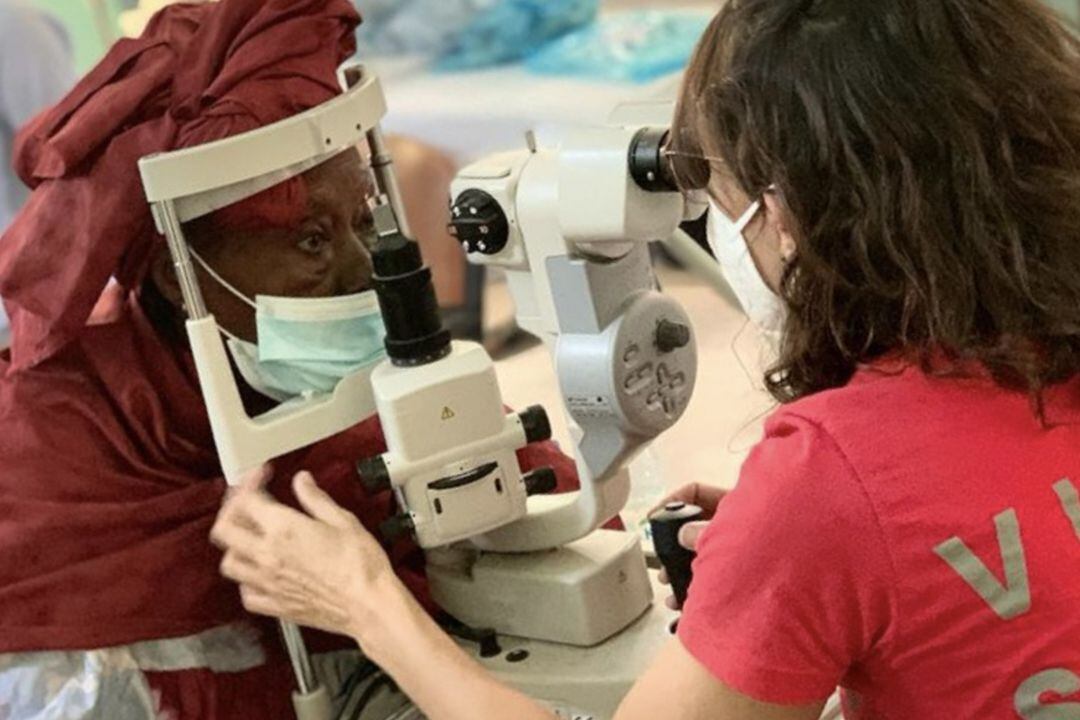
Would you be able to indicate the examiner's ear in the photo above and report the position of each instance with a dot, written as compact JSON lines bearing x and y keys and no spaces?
{"x":779,"y":220}
{"x":164,"y":277}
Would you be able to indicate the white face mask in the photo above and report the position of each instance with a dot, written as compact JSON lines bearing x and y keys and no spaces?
{"x":763,"y":306}
{"x":306,"y":345}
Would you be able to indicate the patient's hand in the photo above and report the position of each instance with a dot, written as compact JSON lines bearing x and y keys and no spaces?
{"x":321,"y":569}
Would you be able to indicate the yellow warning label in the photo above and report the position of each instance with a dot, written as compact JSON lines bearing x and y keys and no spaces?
{"x":447,"y":413}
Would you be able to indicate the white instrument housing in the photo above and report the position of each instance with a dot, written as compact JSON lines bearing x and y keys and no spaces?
{"x":571,"y":227}
{"x":577,"y":263}
{"x":452,"y":461}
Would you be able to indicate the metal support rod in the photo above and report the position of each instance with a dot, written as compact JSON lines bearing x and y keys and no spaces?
{"x":178,"y":249}
{"x":306,"y":681}
{"x":382,"y":164}
{"x":196,"y":310}
{"x":298,"y":655}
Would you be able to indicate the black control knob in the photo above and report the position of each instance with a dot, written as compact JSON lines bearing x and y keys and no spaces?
{"x":535,"y":422}
{"x":541,"y":481}
{"x":396,"y":527}
{"x":485,"y":638}
{"x":374,"y":475}
{"x":676,"y":559}
{"x":671,"y":336}
{"x":479,"y":223}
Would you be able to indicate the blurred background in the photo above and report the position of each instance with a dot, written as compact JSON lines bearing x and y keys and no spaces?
{"x":91,"y":22}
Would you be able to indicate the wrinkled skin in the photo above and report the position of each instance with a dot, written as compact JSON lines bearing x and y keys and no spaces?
{"x":327,"y":254}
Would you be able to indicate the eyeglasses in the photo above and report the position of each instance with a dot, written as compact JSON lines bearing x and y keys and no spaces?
{"x":692,"y":156}
{"x":693,"y":182}
{"x":700,"y":169}
{"x":690,"y":174}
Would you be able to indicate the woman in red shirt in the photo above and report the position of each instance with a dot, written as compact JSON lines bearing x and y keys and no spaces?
{"x":906,"y":179}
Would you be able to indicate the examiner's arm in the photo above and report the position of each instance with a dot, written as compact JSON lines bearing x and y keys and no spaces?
{"x":324,"y":570}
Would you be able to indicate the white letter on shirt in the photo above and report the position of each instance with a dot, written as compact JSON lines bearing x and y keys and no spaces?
{"x":1070,"y":502}
{"x":1008,"y":601}
{"x":1060,"y":682}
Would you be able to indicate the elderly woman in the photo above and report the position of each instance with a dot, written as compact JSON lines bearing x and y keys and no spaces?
{"x":895,"y":188}
{"x":110,"y":601}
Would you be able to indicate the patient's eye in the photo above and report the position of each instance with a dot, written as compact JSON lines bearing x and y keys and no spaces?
{"x":313,"y":243}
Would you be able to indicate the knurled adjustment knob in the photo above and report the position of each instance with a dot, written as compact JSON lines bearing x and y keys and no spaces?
{"x":535,"y":423}
{"x":671,"y":336}
{"x":396,"y":527}
{"x":541,"y":481}
{"x":374,"y":475}
{"x":479,"y":223}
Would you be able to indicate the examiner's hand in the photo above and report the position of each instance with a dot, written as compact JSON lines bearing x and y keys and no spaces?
{"x":322,"y":569}
{"x":706,"y":497}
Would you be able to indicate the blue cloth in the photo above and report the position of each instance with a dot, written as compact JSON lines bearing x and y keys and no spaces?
{"x":466,"y":34}
{"x":626,"y":47}
{"x":514,"y":29}
{"x":421,"y":27}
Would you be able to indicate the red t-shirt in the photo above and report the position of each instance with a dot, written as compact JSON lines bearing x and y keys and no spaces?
{"x":914,"y":540}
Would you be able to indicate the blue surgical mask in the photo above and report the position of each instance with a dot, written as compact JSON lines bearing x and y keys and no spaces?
{"x":306,"y":345}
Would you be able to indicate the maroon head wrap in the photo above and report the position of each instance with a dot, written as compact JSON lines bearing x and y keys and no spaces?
{"x":199,"y":73}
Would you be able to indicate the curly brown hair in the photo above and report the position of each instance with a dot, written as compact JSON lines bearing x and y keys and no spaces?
{"x":928,"y":151}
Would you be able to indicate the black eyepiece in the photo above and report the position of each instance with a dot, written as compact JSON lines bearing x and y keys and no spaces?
{"x":648,"y":163}
{"x":414,"y":331}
